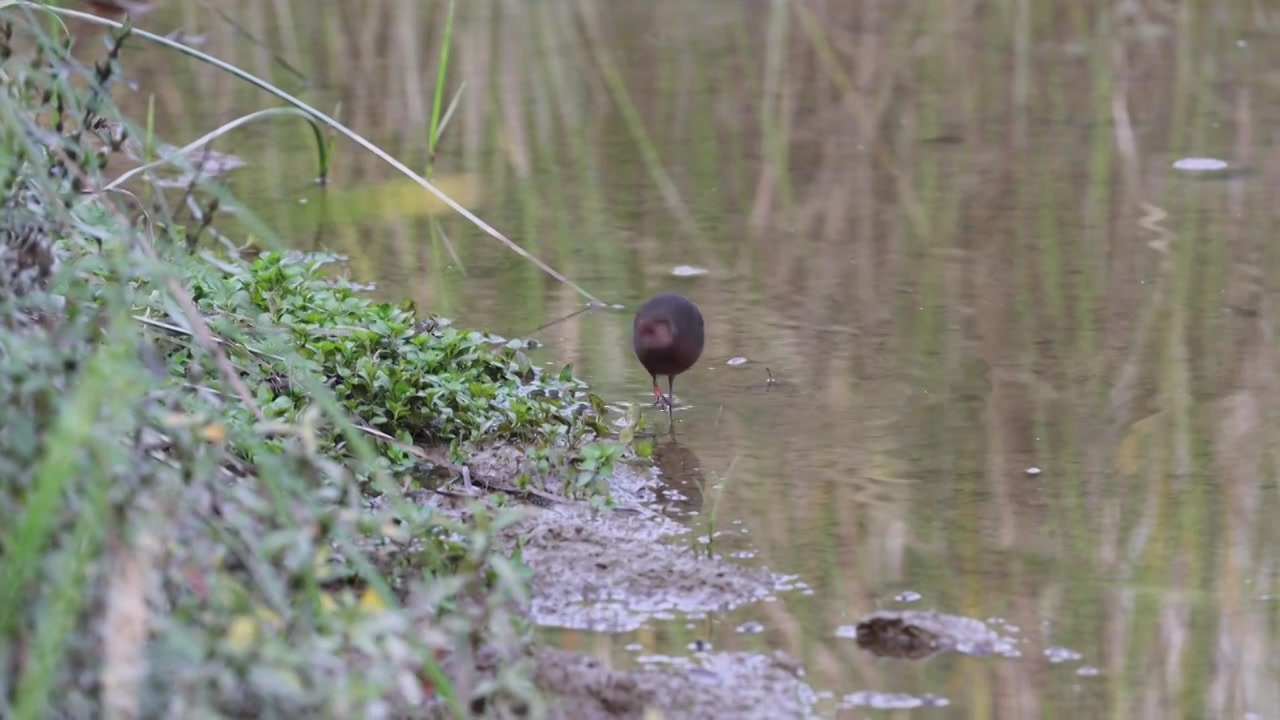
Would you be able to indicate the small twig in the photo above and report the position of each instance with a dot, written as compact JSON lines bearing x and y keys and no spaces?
{"x":570,"y":316}
{"x":197,"y":144}
{"x":439,"y":458}
{"x":190,"y":191}
{"x":453,"y":253}
{"x":178,"y":330}
{"x":257,"y":42}
{"x":194,"y":208}
{"x":448,"y":113}
{"x":206,"y":219}
{"x":525,"y":493}
{"x":637,"y":509}
{"x":200,"y":331}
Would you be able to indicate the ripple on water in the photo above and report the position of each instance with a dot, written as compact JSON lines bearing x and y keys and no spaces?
{"x":891,"y":701}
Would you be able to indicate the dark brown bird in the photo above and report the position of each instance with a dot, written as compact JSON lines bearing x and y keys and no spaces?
{"x":667,"y":337}
{"x":116,"y":8}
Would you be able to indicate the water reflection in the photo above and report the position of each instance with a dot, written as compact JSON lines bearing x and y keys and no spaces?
{"x":682,"y":479}
{"x":1048,"y":292}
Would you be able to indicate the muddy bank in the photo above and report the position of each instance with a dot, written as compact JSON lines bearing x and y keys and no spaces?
{"x":707,"y":685}
{"x":614,"y":571}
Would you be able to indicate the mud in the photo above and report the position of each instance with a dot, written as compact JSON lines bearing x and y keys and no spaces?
{"x":616,"y":570}
{"x":613,"y":573}
{"x":707,"y":685}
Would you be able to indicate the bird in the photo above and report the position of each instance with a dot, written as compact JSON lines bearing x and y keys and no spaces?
{"x":667,"y":336}
{"x":116,"y":8}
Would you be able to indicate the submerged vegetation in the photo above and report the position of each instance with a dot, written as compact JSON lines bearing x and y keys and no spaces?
{"x":209,"y":459}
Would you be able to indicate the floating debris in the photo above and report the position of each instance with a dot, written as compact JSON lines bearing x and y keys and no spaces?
{"x":1033,"y":471}
{"x":1200,"y":164}
{"x":1057,"y":655}
{"x":915,"y":634}
{"x":894,"y":637}
{"x":750,"y":628}
{"x":1087,"y":671}
{"x":688,"y":271}
{"x":739,"y":360}
{"x":907,"y":596}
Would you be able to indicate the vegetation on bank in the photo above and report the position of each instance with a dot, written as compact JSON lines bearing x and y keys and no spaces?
{"x":206,"y":457}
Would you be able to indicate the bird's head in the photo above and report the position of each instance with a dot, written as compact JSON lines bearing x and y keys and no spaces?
{"x":655,"y":333}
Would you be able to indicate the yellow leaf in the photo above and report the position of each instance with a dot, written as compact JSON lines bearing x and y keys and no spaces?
{"x":241,"y":633}
{"x":176,"y":420}
{"x":214,"y":432}
{"x":398,"y":532}
{"x":320,"y":566}
{"x":371,"y":602}
{"x":267,"y":616}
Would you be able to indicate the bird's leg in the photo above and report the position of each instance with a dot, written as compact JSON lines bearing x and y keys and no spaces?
{"x":671,"y":403}
{"x":658,"y":400}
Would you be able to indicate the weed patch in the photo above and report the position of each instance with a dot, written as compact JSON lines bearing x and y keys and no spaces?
{"x":205,"y":456}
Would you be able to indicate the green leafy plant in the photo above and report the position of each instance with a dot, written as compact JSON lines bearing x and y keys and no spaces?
{"x":421,"y":380}
{"x":595,"y":464}
{"x":184,"y":465}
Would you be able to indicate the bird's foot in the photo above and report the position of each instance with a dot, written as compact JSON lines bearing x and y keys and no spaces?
{"x":660,"y":400}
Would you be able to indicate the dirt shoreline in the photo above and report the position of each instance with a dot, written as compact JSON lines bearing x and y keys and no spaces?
{"x":613,"y":571}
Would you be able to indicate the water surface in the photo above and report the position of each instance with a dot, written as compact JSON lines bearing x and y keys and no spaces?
{"x":1026,"y":369}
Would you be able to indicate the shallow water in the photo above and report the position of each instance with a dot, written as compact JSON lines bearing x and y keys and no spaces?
{"x":1025,"y":368}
